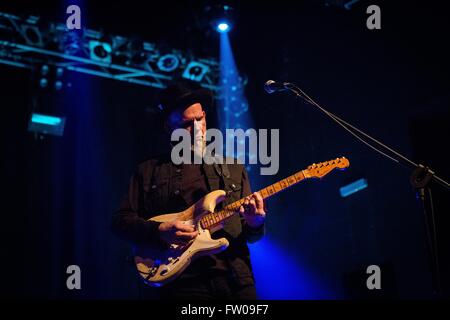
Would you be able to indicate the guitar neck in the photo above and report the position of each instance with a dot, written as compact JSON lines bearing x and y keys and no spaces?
{"x":213,"y":219}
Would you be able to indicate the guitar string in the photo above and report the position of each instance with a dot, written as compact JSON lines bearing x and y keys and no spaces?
{"x":210,"y":220}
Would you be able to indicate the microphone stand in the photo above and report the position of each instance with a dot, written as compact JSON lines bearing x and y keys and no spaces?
{"x":420,"y":179}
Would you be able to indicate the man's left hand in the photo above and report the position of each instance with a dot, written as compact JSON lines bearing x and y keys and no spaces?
{"x":253,"y":210}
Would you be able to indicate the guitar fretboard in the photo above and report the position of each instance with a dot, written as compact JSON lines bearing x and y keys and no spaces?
{"x":211,"y":220}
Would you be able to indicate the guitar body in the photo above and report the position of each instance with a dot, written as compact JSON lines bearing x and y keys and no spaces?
{"x":161,"y":265}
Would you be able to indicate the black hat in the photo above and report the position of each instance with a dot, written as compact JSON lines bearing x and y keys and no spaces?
{"x":182,"y":94}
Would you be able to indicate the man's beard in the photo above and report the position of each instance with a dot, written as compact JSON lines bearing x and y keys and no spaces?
{"x":199,"y":147}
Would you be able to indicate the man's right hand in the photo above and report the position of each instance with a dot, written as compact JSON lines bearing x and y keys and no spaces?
{"x":176,"y":232}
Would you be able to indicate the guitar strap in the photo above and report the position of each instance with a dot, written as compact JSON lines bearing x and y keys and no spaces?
{"x":219,"y":177}
{"x":212,"y":178}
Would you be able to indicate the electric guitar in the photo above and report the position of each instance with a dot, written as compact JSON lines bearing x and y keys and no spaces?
{"x":158,"y":266}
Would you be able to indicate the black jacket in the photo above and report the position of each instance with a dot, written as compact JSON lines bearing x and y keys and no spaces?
{"x":157,"y":188}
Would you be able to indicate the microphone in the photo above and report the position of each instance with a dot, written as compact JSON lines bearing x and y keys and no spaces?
{"x":272,"y":86}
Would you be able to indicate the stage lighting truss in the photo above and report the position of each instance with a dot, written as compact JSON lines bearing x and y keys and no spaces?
{"x":29,"y":43}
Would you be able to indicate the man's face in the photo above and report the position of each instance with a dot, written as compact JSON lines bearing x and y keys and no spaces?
{"x":186,"y":118}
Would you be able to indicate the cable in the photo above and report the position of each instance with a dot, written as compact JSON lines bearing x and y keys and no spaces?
{"x":345,"y":124}
{"x":293,"y":88}
{"x":434,"y":240}
{"x":431,"y":239}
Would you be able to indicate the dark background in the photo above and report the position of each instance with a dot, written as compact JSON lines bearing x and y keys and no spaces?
{"x":59,"y":192}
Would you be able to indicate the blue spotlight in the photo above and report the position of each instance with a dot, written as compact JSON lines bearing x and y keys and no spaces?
{"x":233,"y":106}
{"x":294,"y":282}
{"x":223,"y":27}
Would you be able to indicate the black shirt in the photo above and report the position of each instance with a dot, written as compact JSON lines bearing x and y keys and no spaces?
{"x":158,"y":187}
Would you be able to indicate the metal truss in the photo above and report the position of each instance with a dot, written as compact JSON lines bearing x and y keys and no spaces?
{"x":30,"y":42}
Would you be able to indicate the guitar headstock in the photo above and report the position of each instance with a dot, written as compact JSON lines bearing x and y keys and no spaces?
{"x":319,"y":170}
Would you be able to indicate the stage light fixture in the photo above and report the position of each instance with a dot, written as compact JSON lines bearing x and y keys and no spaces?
{"x":100,"y":51}
{"x":137,"y":59}
{"x":346,"y":4}
{"x":195,"y":71}
{"x":44,"y":70}
{"x":43,"y":83}
{"x":353,"y":187}
{"x":223,"y":27}
{"x":46,"y":124}
{"x":59,"y":72}
{"x":32,"y":35}
{"x":168,"y":63}
{"x":220,"y":16}
{"x":135,"y":52}
{"x":58,"y":85}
